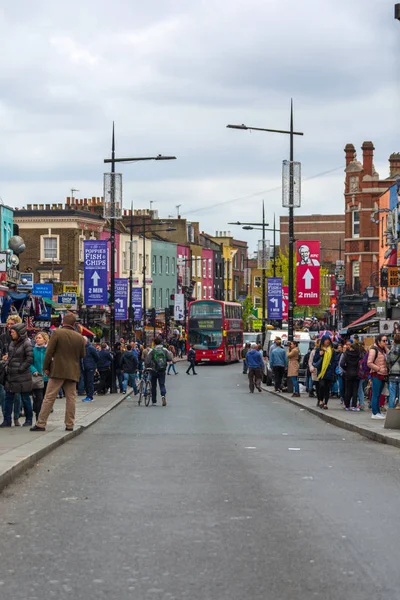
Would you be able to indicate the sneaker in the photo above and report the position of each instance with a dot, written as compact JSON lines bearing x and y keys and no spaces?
{"x":377,"y":416}
{"x":27,"y":424}
{"x":17,"y":423}
{"x":87,"y":399}
{"x":164,"y":401}
{"x":5,"y":424}
{"x":345,"y":408}
{"x":355,"y":409}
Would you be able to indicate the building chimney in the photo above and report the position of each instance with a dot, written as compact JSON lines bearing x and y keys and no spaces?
{"x":394,"y":161}
{"x":368,"y":157}
{"x":350,"y":152}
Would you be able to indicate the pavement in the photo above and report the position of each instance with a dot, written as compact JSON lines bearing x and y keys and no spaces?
{"x":20,"y":448}
{"x":358,"y":422}
{"x":221,"y":495}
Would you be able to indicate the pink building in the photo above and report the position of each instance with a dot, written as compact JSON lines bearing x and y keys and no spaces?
{"x":105,"y":235}
{"x":207,"y":276}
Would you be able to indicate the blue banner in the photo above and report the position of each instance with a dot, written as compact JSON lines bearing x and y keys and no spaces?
{"x":43,"y":289}
{"x":137,"y":303}
{"x":275,"y":298}
{"x":95,"y":272}
{"x":121,"y":299}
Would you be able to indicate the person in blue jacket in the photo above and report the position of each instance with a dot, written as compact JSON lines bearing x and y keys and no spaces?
{"x":255,"y":365}
{"x":89,"y":365}
{"x":104,"y":369}
{"x":278,"y":361}
{"x":325,"y":361}
{"x":39,"y":350}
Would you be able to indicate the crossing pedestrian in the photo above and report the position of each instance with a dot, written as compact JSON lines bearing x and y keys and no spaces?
{"x":191,"y":356}
{"x":244,"y":352}
{"x":255,"y":365}
{"x":157,"y":360}
{"x":65,"y":349}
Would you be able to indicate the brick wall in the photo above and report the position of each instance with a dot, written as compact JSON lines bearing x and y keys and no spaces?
{"x":328,"y":229}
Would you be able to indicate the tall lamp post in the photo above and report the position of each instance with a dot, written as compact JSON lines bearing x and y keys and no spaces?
{"x":290,"y":205}
{"x":263,"y":229}
{"x":115,"y":179}
{"x":397,"y":11}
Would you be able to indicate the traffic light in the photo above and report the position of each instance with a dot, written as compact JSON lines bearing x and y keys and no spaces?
{"x":153,"y":317}
{"x":167,"y":317}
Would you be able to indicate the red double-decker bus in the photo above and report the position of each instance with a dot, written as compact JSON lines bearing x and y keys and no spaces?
{"x":215,"y":329}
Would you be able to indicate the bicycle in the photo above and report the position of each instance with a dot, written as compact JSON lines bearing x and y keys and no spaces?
{"x":145,"y":387}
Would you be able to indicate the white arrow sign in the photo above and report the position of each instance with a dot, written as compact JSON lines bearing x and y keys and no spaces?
{"x":308,"y":277}
{"x":95,"y":278}
{"x":283,"y":305}
{"x":120,"y":302}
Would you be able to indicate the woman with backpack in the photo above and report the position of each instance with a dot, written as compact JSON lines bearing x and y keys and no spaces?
{"x":325,"y":360}
{"x":377,"y":365}
{"x":349,"y":365}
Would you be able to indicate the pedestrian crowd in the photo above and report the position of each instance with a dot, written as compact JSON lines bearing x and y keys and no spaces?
{"x":34,"y":372}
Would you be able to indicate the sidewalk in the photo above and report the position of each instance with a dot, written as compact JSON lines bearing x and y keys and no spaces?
{"x":359,"y":422}
{"x":20,"y":448}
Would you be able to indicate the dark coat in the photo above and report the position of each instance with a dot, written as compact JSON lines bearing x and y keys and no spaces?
{"x":20,"y":358}
{"x":129,"y":362}
{"x":91,"y":359}
{"x":105,"y":360}
{"x":65,"y":349}
{"x":330,"y":371}
{"x":349,"y":363}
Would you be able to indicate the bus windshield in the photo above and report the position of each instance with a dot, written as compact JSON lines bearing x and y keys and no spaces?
{"x":205,"y":340}
{"x":206,"y":309}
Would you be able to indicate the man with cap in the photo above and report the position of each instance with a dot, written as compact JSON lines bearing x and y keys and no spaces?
{"x":64,"y":352}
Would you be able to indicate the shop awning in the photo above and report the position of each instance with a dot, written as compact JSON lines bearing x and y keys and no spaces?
{"x":50,"y":302}
{"x":364,"y":321}
{"x":85,"y":331}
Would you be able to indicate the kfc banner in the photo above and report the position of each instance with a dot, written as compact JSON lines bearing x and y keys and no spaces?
{"x":307,"y":273}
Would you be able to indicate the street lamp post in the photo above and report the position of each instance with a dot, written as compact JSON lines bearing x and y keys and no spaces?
{"x":291,"y":133}
{"x":397,"y":11}
{"x":113,"y":215}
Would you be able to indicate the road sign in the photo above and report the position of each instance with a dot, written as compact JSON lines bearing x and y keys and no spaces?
{"x":179,"y":307}
{"x":121,"y":299}
{"x":274,"y":297}
{"x":29,"y":281}
{"x":308,"y":273}
{"x":43,"y":289}
{"x":95,"y":272}
{"x":285,"y":302}
{"x":137,"y":302}
{"x":393,"y":277}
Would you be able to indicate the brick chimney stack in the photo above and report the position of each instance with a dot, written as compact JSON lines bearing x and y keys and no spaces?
{"x":394,"y":161}
{"x":350,"y":153}
{"x":368,"y":157}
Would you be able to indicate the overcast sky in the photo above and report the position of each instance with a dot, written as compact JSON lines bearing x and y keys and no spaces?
{"x":172,"y":74}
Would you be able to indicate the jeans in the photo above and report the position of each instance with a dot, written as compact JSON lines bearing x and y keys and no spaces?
{"x":130,"y":379}
{"x":89,"y":382}
{"x":377,"y":387}
{"x":295,"y":382}
{"x":160,"y":377}
{"x":341,"y":383}
{"x":361,"y":388}
{"x":9,"y":404}
{"x":120,"y":379}
{"x":394,"y":392}
{"x":309,"y":384}
{"x":278,"y":375}
{"x":171,"y":366}
{"x":192,"y":364}
{"x":81,"y":383}
{"x":105,"y":381}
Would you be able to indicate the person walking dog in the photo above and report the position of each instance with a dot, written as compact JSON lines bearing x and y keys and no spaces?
{"x":64,"y":352}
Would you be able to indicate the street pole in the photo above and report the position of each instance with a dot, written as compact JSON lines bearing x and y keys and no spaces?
{"x":112,"y":275}
{"x":144,"y":281}
{"x":263,"y":276}
{"x":274,"y":242}
{"x":131,"y":316}
{"x":291,"y":233}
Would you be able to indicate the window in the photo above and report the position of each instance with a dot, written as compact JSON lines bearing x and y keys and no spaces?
{"x":49,"y":247}
{"x":235,"y":261}
{"x":355,"y":224}
{"x":147,"y":262}
{"x":173,"y":266}
{"x":154,"y":299}
{"x":167,"y":265}
{"x":204,"y":292}
{"x":355,"y":269}
{"x":140,"y":263}
{"x":210,"y":268}
{"x":173,"y":292}
{"x":160,"y":263}
{"x":81,"y":246}
{"x":204,"y":268}
{"x":47,"y":276}
{"x":160,"y":298}
{"x":198,"y":293}
{"x":154,"y":266}
{"x":257,"y":281}
{"x":257,"y":302}
{"x":210,"y":294}
{"x":167,"y":298}
{"x":199,"y":266}
{"x":242,"y":262}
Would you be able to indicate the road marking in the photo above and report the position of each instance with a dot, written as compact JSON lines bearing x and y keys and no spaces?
{"x":293,"y":448}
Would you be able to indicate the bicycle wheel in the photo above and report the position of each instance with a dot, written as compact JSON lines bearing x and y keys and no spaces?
{"x":140,"y":392}
{"x":147,"y":396}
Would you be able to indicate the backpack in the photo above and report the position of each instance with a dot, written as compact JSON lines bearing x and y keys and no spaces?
{"x":159,"y":360}
{"x":363,"y":369}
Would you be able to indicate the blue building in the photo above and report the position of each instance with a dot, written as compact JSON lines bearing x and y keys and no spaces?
{"x":7,"y":225}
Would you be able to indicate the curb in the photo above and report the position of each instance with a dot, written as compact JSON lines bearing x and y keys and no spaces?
{"x":17,"y":461}
{"x":375,"y":436}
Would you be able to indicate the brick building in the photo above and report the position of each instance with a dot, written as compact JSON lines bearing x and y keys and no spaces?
{"x":363,"y":191}
{"x":235,"y":259}
{"x":328,"y":229}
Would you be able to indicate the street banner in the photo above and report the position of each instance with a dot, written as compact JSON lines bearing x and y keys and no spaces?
{"x":308,"y":273}
{"x":179,"y":307}
{"x":68,"y":300}
{"x":121,"y":299}
{"x":43,"y":289}
{"x":137,"y":294}
{"x":285,"y":302}
{"x":274,"y":298}
{"x":95,"y":272}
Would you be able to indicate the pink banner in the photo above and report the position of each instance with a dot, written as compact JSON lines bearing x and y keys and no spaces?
{"x":307,"y":273}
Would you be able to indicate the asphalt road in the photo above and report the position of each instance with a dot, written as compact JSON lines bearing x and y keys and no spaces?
{"x":222,"y":495}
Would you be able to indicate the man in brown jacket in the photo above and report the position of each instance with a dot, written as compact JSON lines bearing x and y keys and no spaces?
{"x":62,"y":364}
